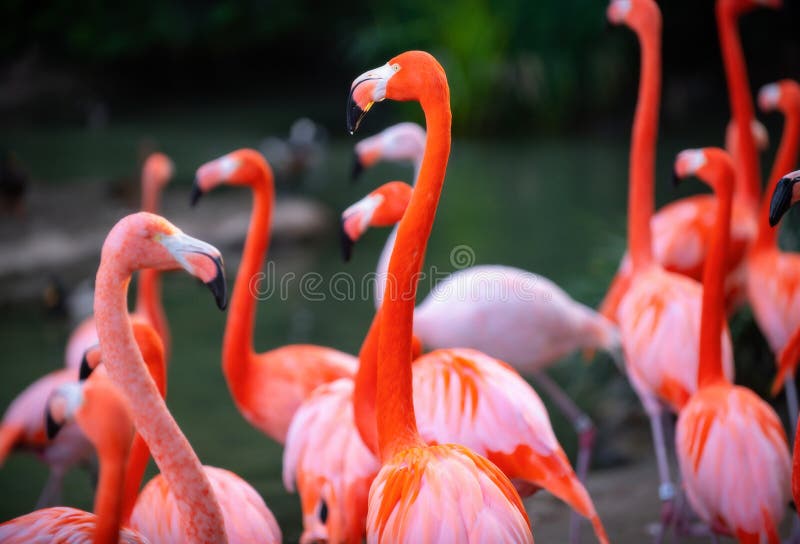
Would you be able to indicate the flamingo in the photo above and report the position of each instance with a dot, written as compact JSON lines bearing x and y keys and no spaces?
{"x":156,"y":173}
{"x":731,"y":446}
{"x":445,"y":491}
{"x":502,"y":315}
{"x":772,"y":274}
{"x":785,"y":195}
{"x":681,"y":230}
{"x":101,"y":412}
{"x":267,"y":387}
{"x":659,"y":312}
{"x":187,"y":502}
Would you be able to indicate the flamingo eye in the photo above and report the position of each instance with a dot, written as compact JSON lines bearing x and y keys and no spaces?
{"x":395,"y":67}
{"x":323,"y":512}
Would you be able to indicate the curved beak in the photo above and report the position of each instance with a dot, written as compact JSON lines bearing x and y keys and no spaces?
{"x":51,"y":426}
{"x":781,"y":199}
{"x":688,"y":163}
{"x":358,"y":168}
{"x":346,"y":243}
{"x":196,"y":193}
{"x":368,"y":88}
{"x":768,"y":97}
{"x":201,"y":260}
{"x":91,"y":358}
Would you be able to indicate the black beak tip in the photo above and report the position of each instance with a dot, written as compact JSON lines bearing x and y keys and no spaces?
{"x":346,"y":243}
{"x":85,"y":370}
{"x":354,"y":114}
{"x":52,"y":427}
{"x":781,"y":200}
{"x":357,"y":169}
{"x":195,"y":194}
{"x":676,"y":178}
{"x":219,"y":286}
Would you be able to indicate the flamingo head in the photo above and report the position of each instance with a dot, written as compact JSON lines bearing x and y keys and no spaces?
{"x":710,"y":164}
{"x":98,"y":408}
{"x":787,"y":192}
{"x":633,"y":13}
{"x":413,"y":75}
{"x":242,"y":167}
{"x":783,"y":95}
{"x":400,"y":142}
{"x":158,"y":169}
{"x":383,"y":207}
{"x":145,"y":240}
{"x":90,"y":361}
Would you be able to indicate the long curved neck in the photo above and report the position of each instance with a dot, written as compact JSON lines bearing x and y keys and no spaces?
{"x":394,"y":407}
{"x":108,"y":500}
{"x":709,"y":370}
{"x":785,"y":161}
{"x":237,"y":350}
{"x":140,"y":453}
{"x":748,"y":180}
{"x":199,"y":510}
{"x":643,"y":148}
{"x":148,"y":288}
{"x":365,"y":385}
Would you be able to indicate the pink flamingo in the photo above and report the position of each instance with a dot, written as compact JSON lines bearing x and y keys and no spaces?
{"x":731,"y":446}
{"x":659,"y":313}
{"x":104,"y":417}
{"x":267,"y":387}
{"x":423,"y":493}
{"x":186,"y":502}
{"x":156,"y":173}
{"x":773,"y":275}
{"x":681,"y":230}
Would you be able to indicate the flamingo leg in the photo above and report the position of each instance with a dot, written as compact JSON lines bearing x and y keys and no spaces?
{"x":666,"y":489}
{"x":791,"y":403}
{"x":586,"y":430}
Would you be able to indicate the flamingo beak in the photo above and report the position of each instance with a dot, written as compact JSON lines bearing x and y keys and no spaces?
{"x":64,"y":401}
{"x":196,"y":193}
{"x":781,"y":199}
{"x":51,"y":425}
{"x":358,"y":168}
{"x":201,"y":260}
{"x":368,"y":88}
{"x":346,"y":243}
{"x":355,"y":222}
{"x":688,"y":163}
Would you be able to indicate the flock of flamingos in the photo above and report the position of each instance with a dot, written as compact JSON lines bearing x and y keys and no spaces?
{"x":403,"y":446}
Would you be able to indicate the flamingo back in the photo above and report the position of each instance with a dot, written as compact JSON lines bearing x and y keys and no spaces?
{"x":61,"y":525}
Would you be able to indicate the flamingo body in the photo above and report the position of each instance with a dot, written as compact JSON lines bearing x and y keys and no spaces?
{"x":659,"y":321}
{"x":725,"y":429}
{"x":59,"y":525}
{"x":444,"y":493}
{"x":514,"y":315}
{"x":247,"y":518}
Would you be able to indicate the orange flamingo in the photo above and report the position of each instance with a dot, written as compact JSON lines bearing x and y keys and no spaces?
{"x":156,"y":173}
{"x":267,"y":387}
{"x":659,"y":313}
{"x":186,"y":502}
{"x":103,"y":415}
{"x":785,"y":195}
{"x":731,"y":446}
{"x":423,"y":493}
{"x":681,"y":230}
{"x":773,"y":276}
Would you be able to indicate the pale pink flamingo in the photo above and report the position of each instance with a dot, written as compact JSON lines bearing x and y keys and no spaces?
{"x":773,"y":276}
{"x":659,"y":312}
{"x":423,"y":493}
{"x":156,"y":173}
{"x":186,"y":502}
{"x":103,"y":415}
{"x":681,"y":230}
{"x":731,"y":446}
{"x":267,"y":387}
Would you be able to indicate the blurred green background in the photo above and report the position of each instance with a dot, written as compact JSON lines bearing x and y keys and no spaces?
{"x":542,"y":97}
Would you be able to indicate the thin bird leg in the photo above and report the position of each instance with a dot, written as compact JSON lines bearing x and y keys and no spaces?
{"x":791,"y":403}
{"x":586,"y":435}
{"x":666,"y":489}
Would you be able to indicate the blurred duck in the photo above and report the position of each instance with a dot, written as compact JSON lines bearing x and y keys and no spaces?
{"x":300,"y":153}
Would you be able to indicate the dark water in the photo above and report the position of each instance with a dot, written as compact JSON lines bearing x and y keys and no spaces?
{"x":554,"y":207}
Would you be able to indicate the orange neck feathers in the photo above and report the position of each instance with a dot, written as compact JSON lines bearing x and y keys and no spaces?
{"x":643,"y":143}
{"x":748,"y":179}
